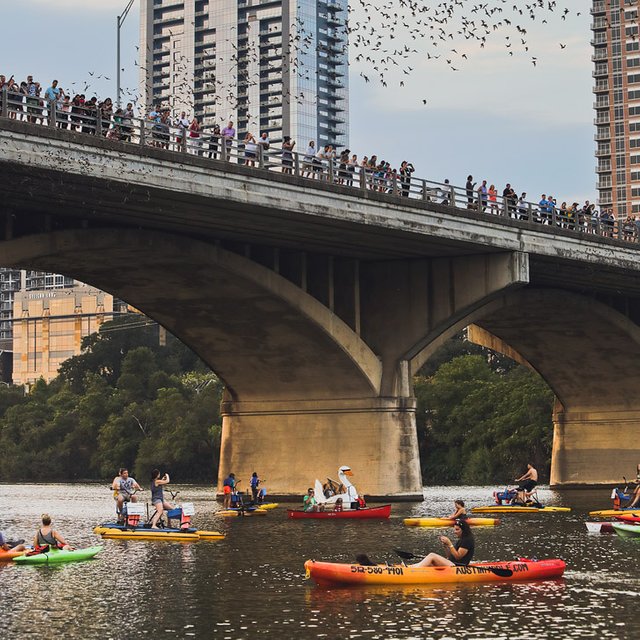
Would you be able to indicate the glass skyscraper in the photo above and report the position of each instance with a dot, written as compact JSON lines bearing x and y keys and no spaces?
{"x":278,"y":66}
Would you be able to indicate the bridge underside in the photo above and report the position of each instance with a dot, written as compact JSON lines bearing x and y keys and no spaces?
{"x":589,"y":354}
{"x":316,"y":304}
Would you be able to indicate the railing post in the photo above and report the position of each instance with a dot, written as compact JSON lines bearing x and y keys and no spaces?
{"x":529,"y":212}
{"x":142,"y":131}
{"x":98,"y":130}
{"x":224,"y":150}
{"x":296,"y":163}
{"x":183,"y":141}
{"x":330,"y":171}
{"x":424,"y":190}
{"x":363,"y":178}
{"x":51,"y":114}
{"x":5,"y":101}
{"x":554,"y":217}
{"x":452,"y":202}
{"x":260,"y":156}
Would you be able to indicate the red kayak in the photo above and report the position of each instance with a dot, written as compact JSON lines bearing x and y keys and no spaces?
{"x":366,"y":513}
{"x":629,"y":517}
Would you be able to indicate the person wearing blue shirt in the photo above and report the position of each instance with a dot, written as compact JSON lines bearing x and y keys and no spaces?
{"x":254,"y":483}
{"x":52,"y":94}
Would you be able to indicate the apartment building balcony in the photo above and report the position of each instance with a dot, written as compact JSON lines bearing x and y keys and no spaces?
{"x":602,"y":118}
{"x":602,"y":135}
{"x":600,"y":54}
{"x":601,"y":103}
{"x":601,"y":87}
{"x":603,"y":150}
{"x":599,"y":23}
{"x":600,"y":71}
{"x":599,"y":39}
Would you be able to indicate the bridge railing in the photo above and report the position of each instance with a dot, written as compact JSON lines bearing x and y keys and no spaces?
{"x":205,"y":144}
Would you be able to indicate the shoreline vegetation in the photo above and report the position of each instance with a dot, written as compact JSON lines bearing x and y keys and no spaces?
{"x":127,"y":401}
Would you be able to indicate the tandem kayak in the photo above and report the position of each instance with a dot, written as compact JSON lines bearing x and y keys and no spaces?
{"x":600,"y":527}
{"x":607,"y":513}
{"x":332,"y":574}
{"x":55,"y":556}
{"x":366,"y":513}
{"x":626,"y":530}
{"x":170,"y":535}
{"x":448,"y":522}
{"x":506,"y":508}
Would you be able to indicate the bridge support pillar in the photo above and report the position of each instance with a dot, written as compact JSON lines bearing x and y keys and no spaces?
{"x":594,"y":446}
{"x":292,"y":443}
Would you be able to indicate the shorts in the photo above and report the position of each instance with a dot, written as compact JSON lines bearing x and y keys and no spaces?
{"x":226,"y":489}
{"x":527,"y":485}
{"x":157,"y":501}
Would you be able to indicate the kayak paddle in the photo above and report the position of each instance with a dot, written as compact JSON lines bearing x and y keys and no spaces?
{"x":498,"y":571}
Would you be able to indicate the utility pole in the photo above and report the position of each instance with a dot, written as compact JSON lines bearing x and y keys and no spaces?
{"x":120,"y":21}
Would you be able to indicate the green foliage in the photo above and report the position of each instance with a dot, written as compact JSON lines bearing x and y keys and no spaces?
{"x":125,"y":401}
{"x":480,"y":426}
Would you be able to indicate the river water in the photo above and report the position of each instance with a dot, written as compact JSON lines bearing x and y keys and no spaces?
{"x":252,"y":584}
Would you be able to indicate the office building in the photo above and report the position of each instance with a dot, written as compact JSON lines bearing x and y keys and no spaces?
{"x":279,"y":66}
{"x":616,"y":58}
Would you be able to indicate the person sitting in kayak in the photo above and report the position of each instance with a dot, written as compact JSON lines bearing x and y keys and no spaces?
{"x":5,"y":545}
{"x":635,"y":497}
{"x":124,"y":488}
{"x":157,"y":496}
{"x":528,"y":483}
{"x":46,"y":535}
{"x":459,"y":510}
{"x":228,"y":487}
{"x":459,"y":553}
{"x":309,"y":502}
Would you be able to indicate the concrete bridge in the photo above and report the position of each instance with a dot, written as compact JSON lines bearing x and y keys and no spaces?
{"x":316,"y":303}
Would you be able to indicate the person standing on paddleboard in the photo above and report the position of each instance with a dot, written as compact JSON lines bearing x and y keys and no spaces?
{"x":459,"y":553}
{"x":228,"y":487}
{"x":254,"y":482}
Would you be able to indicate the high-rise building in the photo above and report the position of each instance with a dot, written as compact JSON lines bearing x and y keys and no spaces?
{"x":278,"y":66}
{"x":616,"y":58}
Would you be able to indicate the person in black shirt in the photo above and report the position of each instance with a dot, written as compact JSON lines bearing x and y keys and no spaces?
{"x":459,"y":553}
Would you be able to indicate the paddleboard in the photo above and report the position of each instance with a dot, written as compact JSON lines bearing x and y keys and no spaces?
{"x":504,"y":508}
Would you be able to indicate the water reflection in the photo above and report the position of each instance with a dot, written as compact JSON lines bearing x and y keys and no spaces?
{"x":252,"y":584}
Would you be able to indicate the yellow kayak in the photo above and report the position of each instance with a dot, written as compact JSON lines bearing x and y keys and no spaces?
{"x":448,"y":522}
{"x":505,"y":508}
{"x":268,"y":505}
{"x":234,"y":513}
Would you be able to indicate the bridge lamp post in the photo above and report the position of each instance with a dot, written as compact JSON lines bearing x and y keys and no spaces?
{"x":119,"y":22}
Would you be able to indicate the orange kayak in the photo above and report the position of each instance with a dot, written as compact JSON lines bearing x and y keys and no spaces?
{"x":448,"y":522}
{"x":332,"y":574}
{"x":6,"y":556}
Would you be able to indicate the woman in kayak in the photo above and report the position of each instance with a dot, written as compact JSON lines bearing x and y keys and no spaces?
{"x":47,"y":535}
{"x":5,"y":545}
{"x":460,"y":511}
{"x":459,"y":553}
{"x":157,"y":496}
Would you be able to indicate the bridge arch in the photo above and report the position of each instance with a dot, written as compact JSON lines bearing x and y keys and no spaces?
{"x":588,"y":353}
{"x":263,"y":335}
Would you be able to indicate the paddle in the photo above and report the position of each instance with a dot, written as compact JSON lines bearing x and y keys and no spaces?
{"x":503,"y":573}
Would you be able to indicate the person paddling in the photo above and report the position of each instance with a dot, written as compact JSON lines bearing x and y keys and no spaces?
{"x":46,"y":535}
{"x":459,"y":553}
{"x":459,"y":510}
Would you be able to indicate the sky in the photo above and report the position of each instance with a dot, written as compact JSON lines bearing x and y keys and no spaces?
{"x":498,"y":117}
